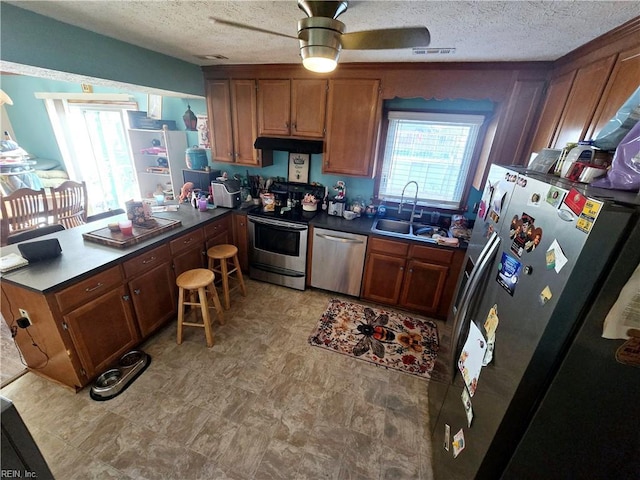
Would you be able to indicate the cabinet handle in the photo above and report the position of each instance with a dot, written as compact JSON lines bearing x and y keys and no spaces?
{"x":188,"y":241}
{"x":294,"y":126}
{"x":402,"y":269}
{"x":137,"y":291}
{"x":126,"y":298}
{"x":88,"y":289}
{"x":411,"y":270}
{"x":149,"y":260}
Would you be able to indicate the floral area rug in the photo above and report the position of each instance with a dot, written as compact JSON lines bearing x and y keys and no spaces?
{"x":388,"y":339}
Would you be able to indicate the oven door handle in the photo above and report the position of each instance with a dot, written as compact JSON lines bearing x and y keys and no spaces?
{"x":279,"y":226}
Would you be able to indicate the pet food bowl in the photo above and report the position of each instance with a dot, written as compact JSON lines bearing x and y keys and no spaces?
{"x":115,"y":380}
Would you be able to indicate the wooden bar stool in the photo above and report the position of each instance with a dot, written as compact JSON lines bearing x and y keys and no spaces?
{"x":198,"y":279}
{"x":223,"y":254}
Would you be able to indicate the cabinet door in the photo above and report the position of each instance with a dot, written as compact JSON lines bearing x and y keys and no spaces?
{"x":154,"y":298}
{"x":352,"y":127}
{"x":245,"y":124}
{"x":557,"y":94}
{"x":241,"y":240}
{"x":218,"y":232}
{"x":102,"y":330}
{"x":624,"y":80}
{"x":219,"y":111}
{"x":383,"y":278}
{"x":274,"y":107}
{"x":308,"y":107}
{"x":581,"y":104}
{"x":522,"y":108}
{"x":423,"y":286}
{"x":188,"y":260}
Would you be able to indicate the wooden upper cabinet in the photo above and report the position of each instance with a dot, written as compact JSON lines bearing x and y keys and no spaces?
{"x":245,"y":124}
{"x":583,"y":99}
{"x":274,"y":107}
{"x":308,"y":107}
{"x":292,"y":107}
{"x":233,"y":121}
{"x":219,"y":111}
{"x":353,"y":119}
{"x":557,"y":94}
{"x":624,"y":80}
{"x":513,"y":141}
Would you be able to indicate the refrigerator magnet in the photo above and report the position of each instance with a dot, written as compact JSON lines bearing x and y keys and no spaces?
{"x":468,"y":408}
{"x":458,"y":443}
{"x":470,"y":361}
{"x":447,"y":436}
{"x":588,"y":215}
{"x":545,"y":295}
{"x":575,"y":201}
{"x":509,"y":270}
{"x":555,"y":257}
{"x":555,"y":196}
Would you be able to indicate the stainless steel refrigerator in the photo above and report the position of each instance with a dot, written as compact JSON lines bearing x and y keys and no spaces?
{"x":542,"y":395}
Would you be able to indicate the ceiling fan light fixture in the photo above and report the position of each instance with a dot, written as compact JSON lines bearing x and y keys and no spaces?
{"x":319,"y":59}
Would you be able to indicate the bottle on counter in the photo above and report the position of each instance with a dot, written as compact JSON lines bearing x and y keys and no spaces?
{"x":382,"y":209}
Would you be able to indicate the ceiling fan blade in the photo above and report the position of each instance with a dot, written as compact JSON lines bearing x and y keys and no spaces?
{"x":220,"y":21}
{"x":388,"y":38}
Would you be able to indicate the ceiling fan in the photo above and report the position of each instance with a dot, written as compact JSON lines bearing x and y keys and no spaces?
{"x":322,"y":36}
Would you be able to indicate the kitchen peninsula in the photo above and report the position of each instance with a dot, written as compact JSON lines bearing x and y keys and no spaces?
{"x":95,"y":302}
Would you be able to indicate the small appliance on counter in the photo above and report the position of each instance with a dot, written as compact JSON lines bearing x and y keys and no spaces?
{"x":336,"y":207}
{"x":226,"y":193}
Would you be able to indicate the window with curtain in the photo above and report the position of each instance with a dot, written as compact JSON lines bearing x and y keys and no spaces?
{"x":93,"y":142}
{"x":434,"y":149}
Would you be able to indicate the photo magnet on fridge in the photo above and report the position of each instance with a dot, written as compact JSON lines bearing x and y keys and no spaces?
{"x":509,"y":270}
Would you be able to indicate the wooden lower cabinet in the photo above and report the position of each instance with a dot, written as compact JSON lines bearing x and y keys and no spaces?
{"x":188,"y":252}
{"x":154,"y":298}
{"x":102,"y":330}
{"x":218,"y":232}
{"x":410,"y":276}
{"x":241,"y":240}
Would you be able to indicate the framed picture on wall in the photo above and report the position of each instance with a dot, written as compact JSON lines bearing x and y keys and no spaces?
{"x":154,"y":106}
{"x":299,"y":167}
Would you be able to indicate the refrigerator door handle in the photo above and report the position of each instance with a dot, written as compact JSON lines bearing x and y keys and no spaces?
{"x":460,"y":320}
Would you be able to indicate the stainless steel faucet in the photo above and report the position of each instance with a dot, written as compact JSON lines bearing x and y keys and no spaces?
{"x":415,"y":201}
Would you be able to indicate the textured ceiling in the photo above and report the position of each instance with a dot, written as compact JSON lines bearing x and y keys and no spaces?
{"x":480,"y":31}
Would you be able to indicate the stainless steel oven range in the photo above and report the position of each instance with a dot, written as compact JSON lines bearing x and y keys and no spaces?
{"x":278,"y":239}
{"x":278,"y":251}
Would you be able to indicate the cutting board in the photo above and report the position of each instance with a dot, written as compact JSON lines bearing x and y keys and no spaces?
{"x":154,"y":227}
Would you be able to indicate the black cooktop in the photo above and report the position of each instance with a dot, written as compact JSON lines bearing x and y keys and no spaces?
{"x":296,"y":214}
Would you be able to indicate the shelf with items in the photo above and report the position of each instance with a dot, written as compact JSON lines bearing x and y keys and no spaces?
{"x":158,"y":157}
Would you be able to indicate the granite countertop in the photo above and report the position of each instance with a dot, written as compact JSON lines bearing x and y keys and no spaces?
{"x":81,"y":258}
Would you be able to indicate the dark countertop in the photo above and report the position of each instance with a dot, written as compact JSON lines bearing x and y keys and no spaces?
{"x":81,"y":258}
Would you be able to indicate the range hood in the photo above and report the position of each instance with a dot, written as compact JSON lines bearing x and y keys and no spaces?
{"x":288,"y":145}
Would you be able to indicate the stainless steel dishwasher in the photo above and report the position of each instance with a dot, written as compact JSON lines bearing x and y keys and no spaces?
{"x":338,"y":261}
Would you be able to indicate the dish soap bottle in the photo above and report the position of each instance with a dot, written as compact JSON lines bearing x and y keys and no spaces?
{"x":382,"y":209}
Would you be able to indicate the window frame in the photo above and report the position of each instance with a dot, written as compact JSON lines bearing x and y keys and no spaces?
{"x":474,"y":163}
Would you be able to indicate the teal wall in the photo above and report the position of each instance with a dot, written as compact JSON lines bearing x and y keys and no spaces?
{"x":35,"y":40}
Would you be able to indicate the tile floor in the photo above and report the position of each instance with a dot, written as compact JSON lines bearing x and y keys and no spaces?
{"x":261,"y":404}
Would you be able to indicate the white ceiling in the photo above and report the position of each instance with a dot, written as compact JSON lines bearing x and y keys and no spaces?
{"x":480,"y":31}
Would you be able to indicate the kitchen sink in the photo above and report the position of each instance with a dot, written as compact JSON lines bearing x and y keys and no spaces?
{"x":394,"y":226}
{"x":403,"y":229}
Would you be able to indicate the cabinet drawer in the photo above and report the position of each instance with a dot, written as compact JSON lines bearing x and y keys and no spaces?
{"x":89,"y":289}
{"x":388,"y":246}
{"x":187,"y":241}
{"x":146,"y":261}
{"x":438,"y":255}
{"x":216,"y":228}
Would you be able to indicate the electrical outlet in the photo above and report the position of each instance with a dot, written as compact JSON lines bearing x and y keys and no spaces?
{"x":25,"y":314}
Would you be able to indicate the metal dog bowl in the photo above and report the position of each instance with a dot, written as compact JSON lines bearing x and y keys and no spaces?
{"x":115,"y":380}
